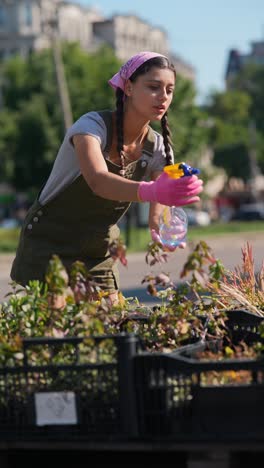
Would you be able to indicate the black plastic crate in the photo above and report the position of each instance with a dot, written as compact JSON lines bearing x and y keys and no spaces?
{"x":244,"y":325}
{"x":70,"y":388}
{"x":240,"y":324}
{"x":177,"y":400}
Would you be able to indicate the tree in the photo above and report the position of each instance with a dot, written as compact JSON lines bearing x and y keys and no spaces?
{"x":230,"y":135}
{"x":8,"y":132}
{"x":29,"y":99}
{"x":87,"y":76}
{"x":36,"y":144}
{"x":234,"y":158}
{"x":251,"y":80}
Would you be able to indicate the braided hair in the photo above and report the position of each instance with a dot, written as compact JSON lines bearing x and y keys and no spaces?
{"x":166,"y":133}
{"x":159,"y":62}
{"x":119,"y":127}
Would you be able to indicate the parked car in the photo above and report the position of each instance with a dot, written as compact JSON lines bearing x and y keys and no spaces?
{"x":249,"y":212}
{"x":9,"y":223}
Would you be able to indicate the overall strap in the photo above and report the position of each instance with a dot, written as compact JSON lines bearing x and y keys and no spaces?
{"x":107,"y":117}
{"x":148,"y":146}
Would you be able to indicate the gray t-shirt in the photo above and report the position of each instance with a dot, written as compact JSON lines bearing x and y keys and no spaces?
{"x":66,"y":166}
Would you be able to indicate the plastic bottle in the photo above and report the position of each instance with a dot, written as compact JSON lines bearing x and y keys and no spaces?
{"x":173,"y":224}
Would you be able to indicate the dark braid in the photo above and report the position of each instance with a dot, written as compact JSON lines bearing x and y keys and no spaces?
{"x":166,"y":133}
{"x":119,"y":127}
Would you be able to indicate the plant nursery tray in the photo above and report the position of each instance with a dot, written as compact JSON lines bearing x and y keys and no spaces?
{"x":69,"y":389}
{"x":244,"y":319}
{"x":183,"y":398}
{"x":241,"y":324}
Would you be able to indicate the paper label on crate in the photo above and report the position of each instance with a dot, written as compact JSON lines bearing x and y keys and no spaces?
{"x":55,"y":408}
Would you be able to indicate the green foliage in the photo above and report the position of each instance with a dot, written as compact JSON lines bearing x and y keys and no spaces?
{"x":233,"y":106}
{"x":15,"y":82}
{"x":250,"y":80}
{"x":234,"y":158}
{"x":88,"y":76}
{"x":56,"y":276}
{"x":8,"y":130}
{"x":233,"y":111}
{"x":9,"y":239}
{"x":37,"y":144}
{"x":33,"y":126}
{"x":31,"y":130}
{"x":229,"y":135}
{"x":191,"y":310}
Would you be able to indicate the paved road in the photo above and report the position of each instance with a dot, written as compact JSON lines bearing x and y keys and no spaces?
{"x":227,"y":248}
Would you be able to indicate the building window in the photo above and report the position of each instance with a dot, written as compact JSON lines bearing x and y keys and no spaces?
{"x":27,"y":14}
{"x":2,"y":16}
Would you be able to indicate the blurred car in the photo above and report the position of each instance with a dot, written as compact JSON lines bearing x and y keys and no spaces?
{"x":249,"y":212}
{"x":9,"y":223}
{"x":197,"y":217}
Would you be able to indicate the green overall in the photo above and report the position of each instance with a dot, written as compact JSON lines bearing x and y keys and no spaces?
{"x":77,"y":225}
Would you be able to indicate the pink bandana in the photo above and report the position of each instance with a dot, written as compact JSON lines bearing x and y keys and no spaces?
{"x":120,"y":78}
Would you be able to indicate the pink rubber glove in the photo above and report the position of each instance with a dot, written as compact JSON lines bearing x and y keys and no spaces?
{"x":171,"y":192}
{"x":156,"y":238}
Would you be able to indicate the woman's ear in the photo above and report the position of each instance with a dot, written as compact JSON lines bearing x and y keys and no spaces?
{"x":128,"y":88}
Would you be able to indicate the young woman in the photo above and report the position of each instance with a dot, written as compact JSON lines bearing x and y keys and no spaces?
{"x":107,"y":160}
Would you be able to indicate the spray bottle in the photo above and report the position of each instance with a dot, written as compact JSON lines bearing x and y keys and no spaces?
{"x":173,"y":224}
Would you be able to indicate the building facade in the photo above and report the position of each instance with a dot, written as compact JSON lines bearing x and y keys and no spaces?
{"x":128,"y":34}
{"x":22,"y":25}
{"x":27,"y":25}
{"x":237,"y":60}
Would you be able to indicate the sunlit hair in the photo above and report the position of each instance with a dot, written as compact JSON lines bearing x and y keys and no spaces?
{"x":158,"y":62}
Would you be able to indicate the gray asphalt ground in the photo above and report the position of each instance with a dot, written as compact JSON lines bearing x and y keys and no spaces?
{"x":227,"y":248}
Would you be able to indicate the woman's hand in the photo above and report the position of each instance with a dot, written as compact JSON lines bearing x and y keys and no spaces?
{"x":171,"y":192}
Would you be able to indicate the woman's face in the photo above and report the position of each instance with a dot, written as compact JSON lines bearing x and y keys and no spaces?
{"x":151,"y":94}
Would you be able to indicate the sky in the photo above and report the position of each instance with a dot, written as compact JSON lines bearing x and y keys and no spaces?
{"x":201,"y":32}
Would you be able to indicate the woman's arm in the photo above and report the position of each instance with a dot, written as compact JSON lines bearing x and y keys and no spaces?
{"x":103,"y":183}
{"x":155,"y":209}
{"x":94,"y":170}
